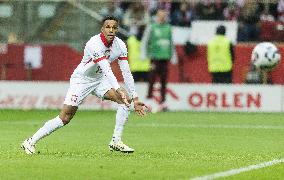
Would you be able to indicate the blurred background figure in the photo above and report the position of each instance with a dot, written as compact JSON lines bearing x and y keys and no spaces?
{"x":135,"y":16}
{"x":249,"y":21}
{"x":257,"y":76}
{"x":183,"y":15}
{"x":265,"y":15}
{"x":220,"y":56}
{"x":209,"y":10}
{"x":13,"y":38}
{"x":139,"y":67}
{"x":280,"y":10}
{"x":158,"y":39}
{"x":231,"y":12}
{"x":111,"y":8}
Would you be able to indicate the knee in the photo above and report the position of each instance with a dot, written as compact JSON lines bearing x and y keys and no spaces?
{"x":119,"y":101}
{"x":66,"y":117}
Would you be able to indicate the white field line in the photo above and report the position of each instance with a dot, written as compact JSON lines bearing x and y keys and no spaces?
{"x":221,"y":126}
{"x":238,"y":171}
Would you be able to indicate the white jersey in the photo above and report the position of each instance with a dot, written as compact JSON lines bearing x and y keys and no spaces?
{"x":98,"y":55}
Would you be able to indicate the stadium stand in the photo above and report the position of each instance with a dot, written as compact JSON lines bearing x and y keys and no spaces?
{"x":62,"y":27}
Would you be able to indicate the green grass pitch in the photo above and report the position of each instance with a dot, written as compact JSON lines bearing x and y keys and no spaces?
{"x":171,"y":145}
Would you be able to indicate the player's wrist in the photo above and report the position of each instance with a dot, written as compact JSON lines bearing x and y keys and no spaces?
{"x":118,"y":90}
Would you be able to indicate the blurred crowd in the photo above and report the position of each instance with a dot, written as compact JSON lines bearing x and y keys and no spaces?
{"x":248,"y":13}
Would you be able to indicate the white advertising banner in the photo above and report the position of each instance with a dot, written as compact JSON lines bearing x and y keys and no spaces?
{"x":181,"y":35}
{"x":33,"y":56}
{"x":203,"y":97}
{"x":202,"y":31}
{"x":180,"y":97}
{"x":42,"y":95}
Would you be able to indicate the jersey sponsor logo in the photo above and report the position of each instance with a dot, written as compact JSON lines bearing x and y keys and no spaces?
{"x":96,"y":55}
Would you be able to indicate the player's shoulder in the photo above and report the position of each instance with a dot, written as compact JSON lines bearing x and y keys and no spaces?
{"x":119,"y":41}
{"x":95,"y":42}
{"x":94,"y":39}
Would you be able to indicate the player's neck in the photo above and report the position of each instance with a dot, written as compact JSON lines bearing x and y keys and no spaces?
{"x":105,"y":41}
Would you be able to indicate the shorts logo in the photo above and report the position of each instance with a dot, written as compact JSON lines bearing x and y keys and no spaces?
{"x":74,"y":98}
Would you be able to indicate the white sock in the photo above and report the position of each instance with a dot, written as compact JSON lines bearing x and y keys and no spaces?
{"x":46,"y":129}
{"x":121,"y":118}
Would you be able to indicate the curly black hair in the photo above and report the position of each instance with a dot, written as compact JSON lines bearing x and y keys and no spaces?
{"x":109,"y":18}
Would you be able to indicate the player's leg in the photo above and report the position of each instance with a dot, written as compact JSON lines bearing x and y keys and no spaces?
{"x":77,"y":92}
{"x":50,"y":126}
{"x":105,"y":91}
{"x":64,"y":118}
{"x":122,"y":114}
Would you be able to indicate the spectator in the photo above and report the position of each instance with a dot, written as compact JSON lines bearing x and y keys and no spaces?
{"x":136,"y":15}
{"x":164,"y":4}
{"x":208,"y":10}
{"x":231,"y":12}
{"x":13,"y":38}
{"x":265,"y":15}
{"x":220,"y":56}
{"x":183,"y":15}
{"x":139,"y":67}
{"x":158,"y":39}
{"x":248,"y":22}
{"x":112,"y":9}
{"x":280,"y":10}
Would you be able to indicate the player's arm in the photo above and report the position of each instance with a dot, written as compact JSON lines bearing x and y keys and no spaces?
{"x":127,"y":76}
{"x":129,"y":83}
{"x":106,"y":70}
{"x":125,"y":70}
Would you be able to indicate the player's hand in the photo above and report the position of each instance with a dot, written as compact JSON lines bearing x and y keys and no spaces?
{"x":140,"y":108}
{"x":123,"y":97}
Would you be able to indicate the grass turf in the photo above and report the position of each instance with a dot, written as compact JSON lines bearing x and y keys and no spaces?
{"x":171,"y":145}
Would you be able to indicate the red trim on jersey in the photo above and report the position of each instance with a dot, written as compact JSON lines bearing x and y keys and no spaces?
{"x":99,"y":59}
{"x":88,"y":61}
{"x":123,"y":58}
{"x":104,"y":40}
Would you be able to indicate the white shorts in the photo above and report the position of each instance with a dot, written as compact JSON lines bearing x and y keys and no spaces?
{"x":80,"y":88}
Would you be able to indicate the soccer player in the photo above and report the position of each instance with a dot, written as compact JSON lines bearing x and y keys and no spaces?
{"x":94,"y":76}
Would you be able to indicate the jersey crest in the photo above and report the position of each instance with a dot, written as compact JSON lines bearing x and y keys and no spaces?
{"x":107,"y":53}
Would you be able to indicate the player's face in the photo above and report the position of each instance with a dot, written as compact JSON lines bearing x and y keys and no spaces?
{"x":109,"y":29}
